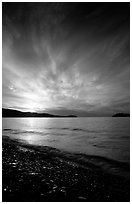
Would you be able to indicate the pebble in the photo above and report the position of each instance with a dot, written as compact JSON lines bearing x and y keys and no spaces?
{"x":50,"y":192}
{"x":54,"y":187}
{"x":32,"y":173}
{"x":62,"y":190}
{"x":82,"y":198}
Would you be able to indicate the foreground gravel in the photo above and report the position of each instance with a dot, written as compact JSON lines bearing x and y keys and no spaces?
{"x":50,"y":175}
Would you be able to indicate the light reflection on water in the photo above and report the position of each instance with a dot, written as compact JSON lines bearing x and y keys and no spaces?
{"x":107,"y":137}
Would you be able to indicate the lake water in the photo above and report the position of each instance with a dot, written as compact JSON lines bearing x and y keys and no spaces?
{"x":107,"y":137}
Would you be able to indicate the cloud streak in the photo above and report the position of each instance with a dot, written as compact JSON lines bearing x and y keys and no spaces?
{"x":61,"y":57}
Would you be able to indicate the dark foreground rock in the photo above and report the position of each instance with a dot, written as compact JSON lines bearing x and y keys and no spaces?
{"x":32,"y":175}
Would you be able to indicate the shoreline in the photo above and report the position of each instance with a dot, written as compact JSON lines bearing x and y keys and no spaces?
{"x":32,"y":173}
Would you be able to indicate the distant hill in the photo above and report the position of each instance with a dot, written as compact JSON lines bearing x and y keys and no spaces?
{"x":15,"y":113}
{"x":121,"y":115}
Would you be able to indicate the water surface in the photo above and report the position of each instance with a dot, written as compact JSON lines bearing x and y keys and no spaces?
{"x":107,"y":137}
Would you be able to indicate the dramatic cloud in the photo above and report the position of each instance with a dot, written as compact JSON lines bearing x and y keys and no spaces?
{"x":66,"y":57}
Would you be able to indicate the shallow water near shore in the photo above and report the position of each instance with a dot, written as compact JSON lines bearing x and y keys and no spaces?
{"x":106,"y":137}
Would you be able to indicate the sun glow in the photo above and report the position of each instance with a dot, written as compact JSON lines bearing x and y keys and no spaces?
{"x":31,"y":107}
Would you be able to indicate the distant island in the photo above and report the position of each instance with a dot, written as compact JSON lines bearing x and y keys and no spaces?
{"x":121,"y":115}
{"x":14,"y":113}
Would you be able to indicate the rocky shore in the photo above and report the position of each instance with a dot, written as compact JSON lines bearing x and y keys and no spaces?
{"x":43,"y":174}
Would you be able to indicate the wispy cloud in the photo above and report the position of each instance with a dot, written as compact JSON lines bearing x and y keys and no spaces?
{"x":54,"y":62}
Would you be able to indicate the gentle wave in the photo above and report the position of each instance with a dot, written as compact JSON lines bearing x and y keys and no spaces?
{"x":99,"y":162}
{"x":20,"y":132}
{"x":71,"y":129}
{"x":64,"y":128}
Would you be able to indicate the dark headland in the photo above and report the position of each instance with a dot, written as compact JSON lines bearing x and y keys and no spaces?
{"x":121,"y":115}
{"x":16,"y":113}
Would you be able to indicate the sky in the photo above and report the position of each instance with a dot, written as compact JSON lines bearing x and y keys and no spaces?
{"x":66,"y":58}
